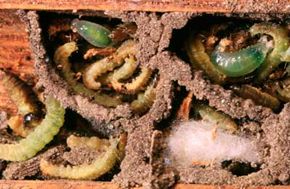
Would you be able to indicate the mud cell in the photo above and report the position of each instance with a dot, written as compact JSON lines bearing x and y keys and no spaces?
{"x":234,"y":92}
{"x":40,"y":147}
{"x":90,"y":63}
{"x":244,"y":55}
{"x":180,"y":85}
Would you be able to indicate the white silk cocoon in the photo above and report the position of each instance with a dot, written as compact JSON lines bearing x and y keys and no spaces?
{"x":196,"y":141}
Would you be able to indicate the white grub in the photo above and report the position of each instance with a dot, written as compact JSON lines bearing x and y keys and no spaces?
{"x":198,"y":142}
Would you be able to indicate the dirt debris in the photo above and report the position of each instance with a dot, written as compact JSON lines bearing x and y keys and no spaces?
{"x":29,"y":168}
{"x":144,"y":164}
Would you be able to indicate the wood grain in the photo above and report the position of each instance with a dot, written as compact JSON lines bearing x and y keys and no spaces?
{"x":200,"y":186}
{"x":6,"y":104}
{"x":61,"y":184}
{"x":15,"y":53}
{"x":226,"y":6}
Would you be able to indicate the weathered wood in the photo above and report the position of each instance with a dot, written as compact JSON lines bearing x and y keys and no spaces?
{"x":266,"y":6}
{"x":15,"y":53}
{"x":200,"y":186}
{"x":6,"y":103}
{"x":60,"y":184}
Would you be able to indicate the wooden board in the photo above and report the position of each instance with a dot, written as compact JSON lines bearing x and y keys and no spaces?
{"x":266,"y":6}
{"x":15,"y":53}
{"x":61,"y":184}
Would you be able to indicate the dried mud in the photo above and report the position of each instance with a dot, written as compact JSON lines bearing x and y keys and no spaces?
{"x":144,"y":163}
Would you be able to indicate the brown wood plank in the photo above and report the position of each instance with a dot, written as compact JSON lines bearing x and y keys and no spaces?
{"x":60,"y":184}
{"x":266,"y":6}
{"x":6,"y":103}
{"x":15,"y":53}
{"x":200,"y":186}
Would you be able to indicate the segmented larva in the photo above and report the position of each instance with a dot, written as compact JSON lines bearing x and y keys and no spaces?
{"x":200,"y":59}
{"x":93,"y":72}
{"x":136,"y":84}
{"x":26,"y":102}
{"x":102,"y":72}
{"x":219,"y":119}
{"x":39,"y":137}
{"x":61,"y":57}
{"x":97,"y":168}
{"x":94,"y":143}
{"x":259,"y":97}
{"x":124,"y":72}
{"x":242,"y":62}
{"x":144,"y":100}
{"x":281,"y":44}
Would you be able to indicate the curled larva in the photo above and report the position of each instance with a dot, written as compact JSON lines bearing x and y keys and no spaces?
{"x":138,"y":83}
{"x":219,"y":119}
{"x":199,"y":59}
{"x":240,"y":63}
{"x":281,"y":44}
{"x":144,"y":100}
{"x":259,"y":97}
{"x":107,"y":64}
{"x":61,"y":57}
{"x":97,"y":69}
{"x":135,"y":85}
{"x":39,"y":137}
{"x":97,"y":144}
{"x":93,"y":143}
{"x":28,"y":109}
{"x":97,"y":168}
{"x":124,"y":72}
